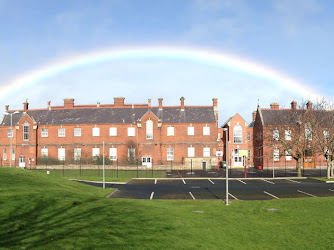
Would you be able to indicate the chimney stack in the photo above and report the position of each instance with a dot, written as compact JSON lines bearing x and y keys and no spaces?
{"x":49,"y":105}
{"x":309,"y":105}
{"x":274,"y":106}
{"x":182,"y":103}
{"x":254,"y":115}
{"x":25,"y":106}
{"x":119,"y":101}
{"x":294,"y":105}
{"x":215,"y":106}
{"x":68,"y":103}
{"x":7,"y":107}
{"x":149,"y":102}
{"x":160,"y":103}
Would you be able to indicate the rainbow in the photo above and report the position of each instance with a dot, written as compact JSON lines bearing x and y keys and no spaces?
{"x":198,"y":55}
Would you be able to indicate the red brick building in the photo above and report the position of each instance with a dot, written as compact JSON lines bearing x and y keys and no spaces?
{"x":150,"y":134}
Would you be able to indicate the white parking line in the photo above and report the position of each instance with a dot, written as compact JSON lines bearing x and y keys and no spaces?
{"x":268,"y":181}
{"x":192,"y":195}
{"x":211,"y":181}
{"x":242,"y":182}
{"x":151,"y":197}
{"x":306,"y":193}
{"x":292,"y":180}
{"x":233,"y":196}
{"x":271,"y":195}
{"x":331,"y":190}
{"x":184,"y":182}
{"x":155,"y":181}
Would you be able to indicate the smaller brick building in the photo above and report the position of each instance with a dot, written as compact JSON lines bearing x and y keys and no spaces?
{"x":153,"y":135}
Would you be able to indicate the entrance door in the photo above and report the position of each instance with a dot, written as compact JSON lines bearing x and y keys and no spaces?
{"x":237,"y":160}
{"x":309,"y":162}
{"x":204,"y":165}
{"x":147,"y":161}
{"x":22,"y":161}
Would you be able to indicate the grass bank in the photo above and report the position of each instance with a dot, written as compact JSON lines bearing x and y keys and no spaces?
{"x":45,"y":211}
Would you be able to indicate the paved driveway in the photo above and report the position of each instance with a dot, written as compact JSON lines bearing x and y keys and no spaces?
{"x":239,"y":189}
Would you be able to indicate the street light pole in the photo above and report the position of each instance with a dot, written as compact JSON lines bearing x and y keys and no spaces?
{"x":226,"y":157}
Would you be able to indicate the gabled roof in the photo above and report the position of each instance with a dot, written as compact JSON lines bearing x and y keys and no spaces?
{"x":115,"y":115}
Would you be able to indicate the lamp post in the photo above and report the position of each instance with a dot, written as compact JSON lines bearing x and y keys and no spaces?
{"x":12,"y":134}
{"x":226,"y":157}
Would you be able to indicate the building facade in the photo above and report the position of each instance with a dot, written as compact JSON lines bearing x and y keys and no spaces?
{"x":152,"y":135}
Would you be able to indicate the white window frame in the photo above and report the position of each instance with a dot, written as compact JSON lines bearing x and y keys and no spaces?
{"x":112,"y":131}
{"x":206,"y":130}
{"x":4,"y":156}
{"x":61,"y":154}
{"x":77,"y":131}
{"x":113,"y":154}
{"x":96,"y":131}
{"x":191,"y":152}
{"x":237,"y":134}
{"x":170,"y":154}
{"x":170,"y":131}
{"x":288,"y":134}
{"x":10,"y":133}
{"x":326,"y":135}
{"x":13,"y":154}
{"x":206,"y":152}
{"x":61,"y":132}
{"x":95,"y":152}
{"x":275,"y":134}
{"x":131,"y":131}
{"x":276,"y":154}
{"x":191,"y":130}
{"x":44,"y":152}
{"x":149,"y":130}
{"x":26,"y":132}
{"x":77,"y":154}
{"x":44,"y":132}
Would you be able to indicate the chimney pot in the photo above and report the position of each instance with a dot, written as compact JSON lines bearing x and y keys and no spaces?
{"x":182,"y":103}
{"x":149,"y":102}
{"x":160,"y":103}
{"x":7,"y":107}
{"x":309,"y":105}
{"x":294,"y":105}
{"x":25,"y":106}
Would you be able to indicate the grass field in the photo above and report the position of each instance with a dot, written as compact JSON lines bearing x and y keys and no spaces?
{"x":48,"y":212}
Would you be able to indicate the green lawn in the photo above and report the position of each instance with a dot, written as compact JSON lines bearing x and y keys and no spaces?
{"x":48,"y":212}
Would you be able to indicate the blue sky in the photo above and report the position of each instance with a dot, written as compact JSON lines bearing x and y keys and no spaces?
{"x":294,"y":37}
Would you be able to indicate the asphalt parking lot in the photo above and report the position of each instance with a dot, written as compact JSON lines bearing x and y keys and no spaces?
{"x":239,"y":189}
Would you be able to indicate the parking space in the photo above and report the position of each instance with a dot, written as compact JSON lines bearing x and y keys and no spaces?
{"x":215,"y":188}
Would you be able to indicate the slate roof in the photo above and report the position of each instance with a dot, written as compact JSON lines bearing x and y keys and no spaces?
{"x":115,"y":115}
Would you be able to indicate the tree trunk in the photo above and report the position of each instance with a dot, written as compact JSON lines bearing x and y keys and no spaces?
{"x":299,"y":167}
{"x":332,"y":169}
{"x":328,"y":168}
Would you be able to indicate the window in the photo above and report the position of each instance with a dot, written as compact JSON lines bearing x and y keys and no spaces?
{"x":191,"y":152}
{"x":288,"y":135}
{"x":248,"y":136}
{"x":4,"y":154}
{"x":96,"y":131}
{"x":96,"y":152}
{"x":44,"y":132}
{"x":131,"y":154}
{"x":276,"y":154}
{"x":326,"y":135}
{"x":206,"y":130}
{"x":77,"y":131}
{"x":61,"y":132}
{"x":131,"y":131}
{"x":10,"y":132}
{"x":308,"y":132}
{"x":170,"y":131}
{"x":206,"y":152}
{"x":113,"y":131}
{"x":77,"y":153}
{"x":149,"y":130}
{"x":61,"y":154}
{"x":191,"y":131}
{"x":44,"y":152}
{"x":13,"y":154}
{"x":218,"y":139}
{"x":26,"y":132}
{"x":237,"y":134}
{"x":249,"y":155}
{"x":288,"y":156}
{"x":170,"y":154}
{"x":275,"y":135}
{"x":113,"y":154}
